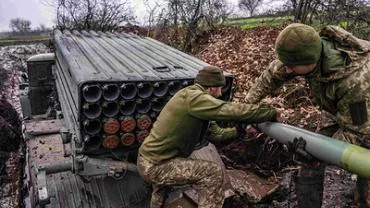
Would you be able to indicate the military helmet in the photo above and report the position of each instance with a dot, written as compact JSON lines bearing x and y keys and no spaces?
{"x":298,"y":44}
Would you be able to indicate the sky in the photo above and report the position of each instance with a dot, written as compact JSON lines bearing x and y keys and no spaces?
{"x":39,"y":13}
{"x":32,"y":10}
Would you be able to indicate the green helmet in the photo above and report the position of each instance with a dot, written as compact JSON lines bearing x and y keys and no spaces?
{"x":298,"y":44}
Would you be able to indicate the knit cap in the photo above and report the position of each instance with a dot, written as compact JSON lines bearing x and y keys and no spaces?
{"x":298,"y":44}
{"x":210,"y":76}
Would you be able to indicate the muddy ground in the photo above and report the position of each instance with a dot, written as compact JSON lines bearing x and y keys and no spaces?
{"x":12,"y":72}
{"x":243,"y":53}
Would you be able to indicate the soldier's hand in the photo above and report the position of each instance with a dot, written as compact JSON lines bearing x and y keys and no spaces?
{"x":300,"y":155}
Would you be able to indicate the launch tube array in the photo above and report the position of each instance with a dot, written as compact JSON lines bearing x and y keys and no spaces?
{"x":122,"y":113}
{"x":117,"y":114}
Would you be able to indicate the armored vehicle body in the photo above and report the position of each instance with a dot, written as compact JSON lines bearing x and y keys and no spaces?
{"x":88,"y":106}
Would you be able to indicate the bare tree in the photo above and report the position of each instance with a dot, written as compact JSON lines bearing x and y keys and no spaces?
{"x":303,"y":10}
{"x":20,"y":25}
{"x":216,"y":12}
{"x":249,"y":5}
{"x":190,"y":16}
{"x":91,"y":14}
{"x":154,"y":12}
{"x":353,"y":15}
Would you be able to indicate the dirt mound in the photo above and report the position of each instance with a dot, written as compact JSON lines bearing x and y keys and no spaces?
{"x":245,"y":54}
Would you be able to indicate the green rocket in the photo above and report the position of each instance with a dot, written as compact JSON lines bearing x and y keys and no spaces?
{"x":350,"y":157}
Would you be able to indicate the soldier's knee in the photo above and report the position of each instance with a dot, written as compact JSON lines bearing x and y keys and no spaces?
{"x":216,"y":172}
{"x":214,"y":168}
{"x":143,"y":168}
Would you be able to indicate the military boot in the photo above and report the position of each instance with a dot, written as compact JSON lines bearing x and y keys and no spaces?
{"x":362,"y":197}
{"x":158,"y":197}
{"x":309,"y":187}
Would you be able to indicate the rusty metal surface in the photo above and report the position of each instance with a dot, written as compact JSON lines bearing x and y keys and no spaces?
{"x":69,"y":190}
{"x":251,"y":186}
{"x":43,"y":127}
{"x":44,"y":150}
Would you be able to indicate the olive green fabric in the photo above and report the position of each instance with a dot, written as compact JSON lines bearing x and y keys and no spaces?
{"x":184,"y":121}
{"x":298,"y":44}
{"x":217,"y":134}
{"x":210,"y":76}
{"x":341,"y":78}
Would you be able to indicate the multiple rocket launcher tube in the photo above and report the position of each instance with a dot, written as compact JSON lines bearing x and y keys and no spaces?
{"x":350,"y":157}
{"x":124,"y":107}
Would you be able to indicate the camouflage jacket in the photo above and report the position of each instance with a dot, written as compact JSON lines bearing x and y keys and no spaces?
{"x":340,"y":82}
{"x":184,"y":121}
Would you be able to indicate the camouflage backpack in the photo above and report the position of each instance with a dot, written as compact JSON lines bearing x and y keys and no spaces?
{"x":358,"y":50}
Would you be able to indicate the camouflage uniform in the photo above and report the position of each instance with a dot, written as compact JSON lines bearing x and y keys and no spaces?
{"x":340,"y":84}
{"x":183,"y":122}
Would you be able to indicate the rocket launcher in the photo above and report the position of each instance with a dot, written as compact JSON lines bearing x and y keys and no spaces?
{"x":350,"y":157}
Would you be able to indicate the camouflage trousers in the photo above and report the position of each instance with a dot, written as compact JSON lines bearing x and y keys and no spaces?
{"x":204,"y":176}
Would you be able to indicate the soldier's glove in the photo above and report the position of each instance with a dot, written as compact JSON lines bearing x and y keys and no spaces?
{"x":300,"y":155}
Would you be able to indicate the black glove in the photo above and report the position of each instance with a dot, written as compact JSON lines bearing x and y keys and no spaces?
{"x":298,"y":147}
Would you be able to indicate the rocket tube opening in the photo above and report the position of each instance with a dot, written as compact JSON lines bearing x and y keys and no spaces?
{"x":92,"y":142}
{"x":144,"y":122}
{"x":128,"y":91}
{"x":92,"y":127}
{"x":111,"y":126}
{"x":111,"y":141}
{"x":91,"y":110}
{"x":111,"y":92}
{"x":141,"y":135}
{"x":127,"y":107}
{"x":128,"y":124}
{"x":128,"y":139}
{"x":153,"y":115}
{"x":158,"y":104}
{"x":144,"y":90}
{"x":110,"y":109}
{"x":160,"y":89}
{"x":91,"y":93}
{"x":173,"y":87}
{"x":143,"y":105}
